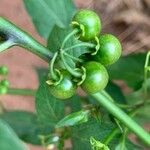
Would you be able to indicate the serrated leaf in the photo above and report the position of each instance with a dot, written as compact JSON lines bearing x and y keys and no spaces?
{"x":143,"y":115}
{"x":26,"y":125}
{"x":56,"y":39}
{"x":115,"y":92}
{"x":8,"y":139}
{"x":46,"y":14}
{"x":127,"y":146}
{"x":58,"y":35}
{"x":49,"y":109}
{"x":81,"y":134}
{"x":129,"y":69}
{"x":99,"y":130}
{"x":75,"y":103}
{"x":74,"y":119}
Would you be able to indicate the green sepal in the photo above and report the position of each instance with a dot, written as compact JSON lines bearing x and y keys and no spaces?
{"x":53,"y":82}
{"x":80,"y":27}
{"x":97,"y":145}
{"x":97,"y":47}
{"x":83,"y":77}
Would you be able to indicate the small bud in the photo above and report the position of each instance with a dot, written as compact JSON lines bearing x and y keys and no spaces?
{"x":4,"y":83}
{"x":3,"y":90}
{"x":3,"y":70}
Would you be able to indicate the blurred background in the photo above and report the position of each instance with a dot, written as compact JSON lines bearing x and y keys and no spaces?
{"x":129,"y":20}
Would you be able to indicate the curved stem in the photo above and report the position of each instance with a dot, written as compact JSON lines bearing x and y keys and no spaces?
{"x":116,"y":130}
{"x":122,"y":117}
{"x":5,"y":45}
{"x":72,"y":57}
{"x":25,"y":92}
{"x":145,"y":72}
{"x":90,"y":45}
{"x":18,"y":37}
{"x":111,"y":136}
{"x":70,"y":70}
{"x":52,"y":73}
{"x":75,"y":31}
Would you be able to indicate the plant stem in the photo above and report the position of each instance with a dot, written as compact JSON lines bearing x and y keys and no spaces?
{"x":113,"y":133}
{"x":70,"y":70}
{"x":52,"y":73}
{"x":25,"y":92}
{"x":15,"y":36}
{"x":75,"y":31}
{"x":72,"y":57}
{"x":122,"y":117}
{"x":116,"y":130}
{"x":90,"y":45}
{"x":5,"y":45}
{"x":145,"y":72}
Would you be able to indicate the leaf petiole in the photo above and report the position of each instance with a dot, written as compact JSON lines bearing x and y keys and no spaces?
{"x":72,"y":57}
{"x":25,"y":92}
{"x":70,"y":70}
{"x":51,"y":67}
{"x":75,"y":31}
{"x":83,"y":44}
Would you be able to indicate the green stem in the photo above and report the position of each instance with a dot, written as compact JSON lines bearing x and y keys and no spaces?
{"x":52,"y":73}
{"x":142,"y":103}
{"x":25,"y":92}
{"x":72,"y":57}
{"x":90,"y":45}
{"x":123,"y":139}
{"x":70,"y":70}
{"x":116,"y":130}
{"x":5,"y":45}
{"x":75,"y":31}
{"x":113,"y":133}
{"x":145,"y":72}
{"x":15,"y":36}
{"x":122,"y":117}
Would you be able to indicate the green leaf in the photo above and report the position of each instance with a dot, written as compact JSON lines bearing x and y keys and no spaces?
{"x":8,"y":139}
{"x":26,"y":125}
{"x":127,"y":146}
{"x":56,"y":39}
{"x":46,"y":14}
{"x":143,"y":115}
{"x":81,"y":134}
{"x":99,"y":130}
{"x":74,"y":119}
{"x":58,"y":35}
{"x":49,"y":109}
{"x":41,"y":72}
{"x":129,"y":69}
{"x":115,"y":92}
{"x":75,"y":103}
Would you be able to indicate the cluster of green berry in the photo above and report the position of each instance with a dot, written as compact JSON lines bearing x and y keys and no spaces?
{"x":91,"y":74}
{"x":4,"y":83}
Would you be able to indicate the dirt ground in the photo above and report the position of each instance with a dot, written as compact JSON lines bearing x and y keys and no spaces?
{"x":21,"y":63}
